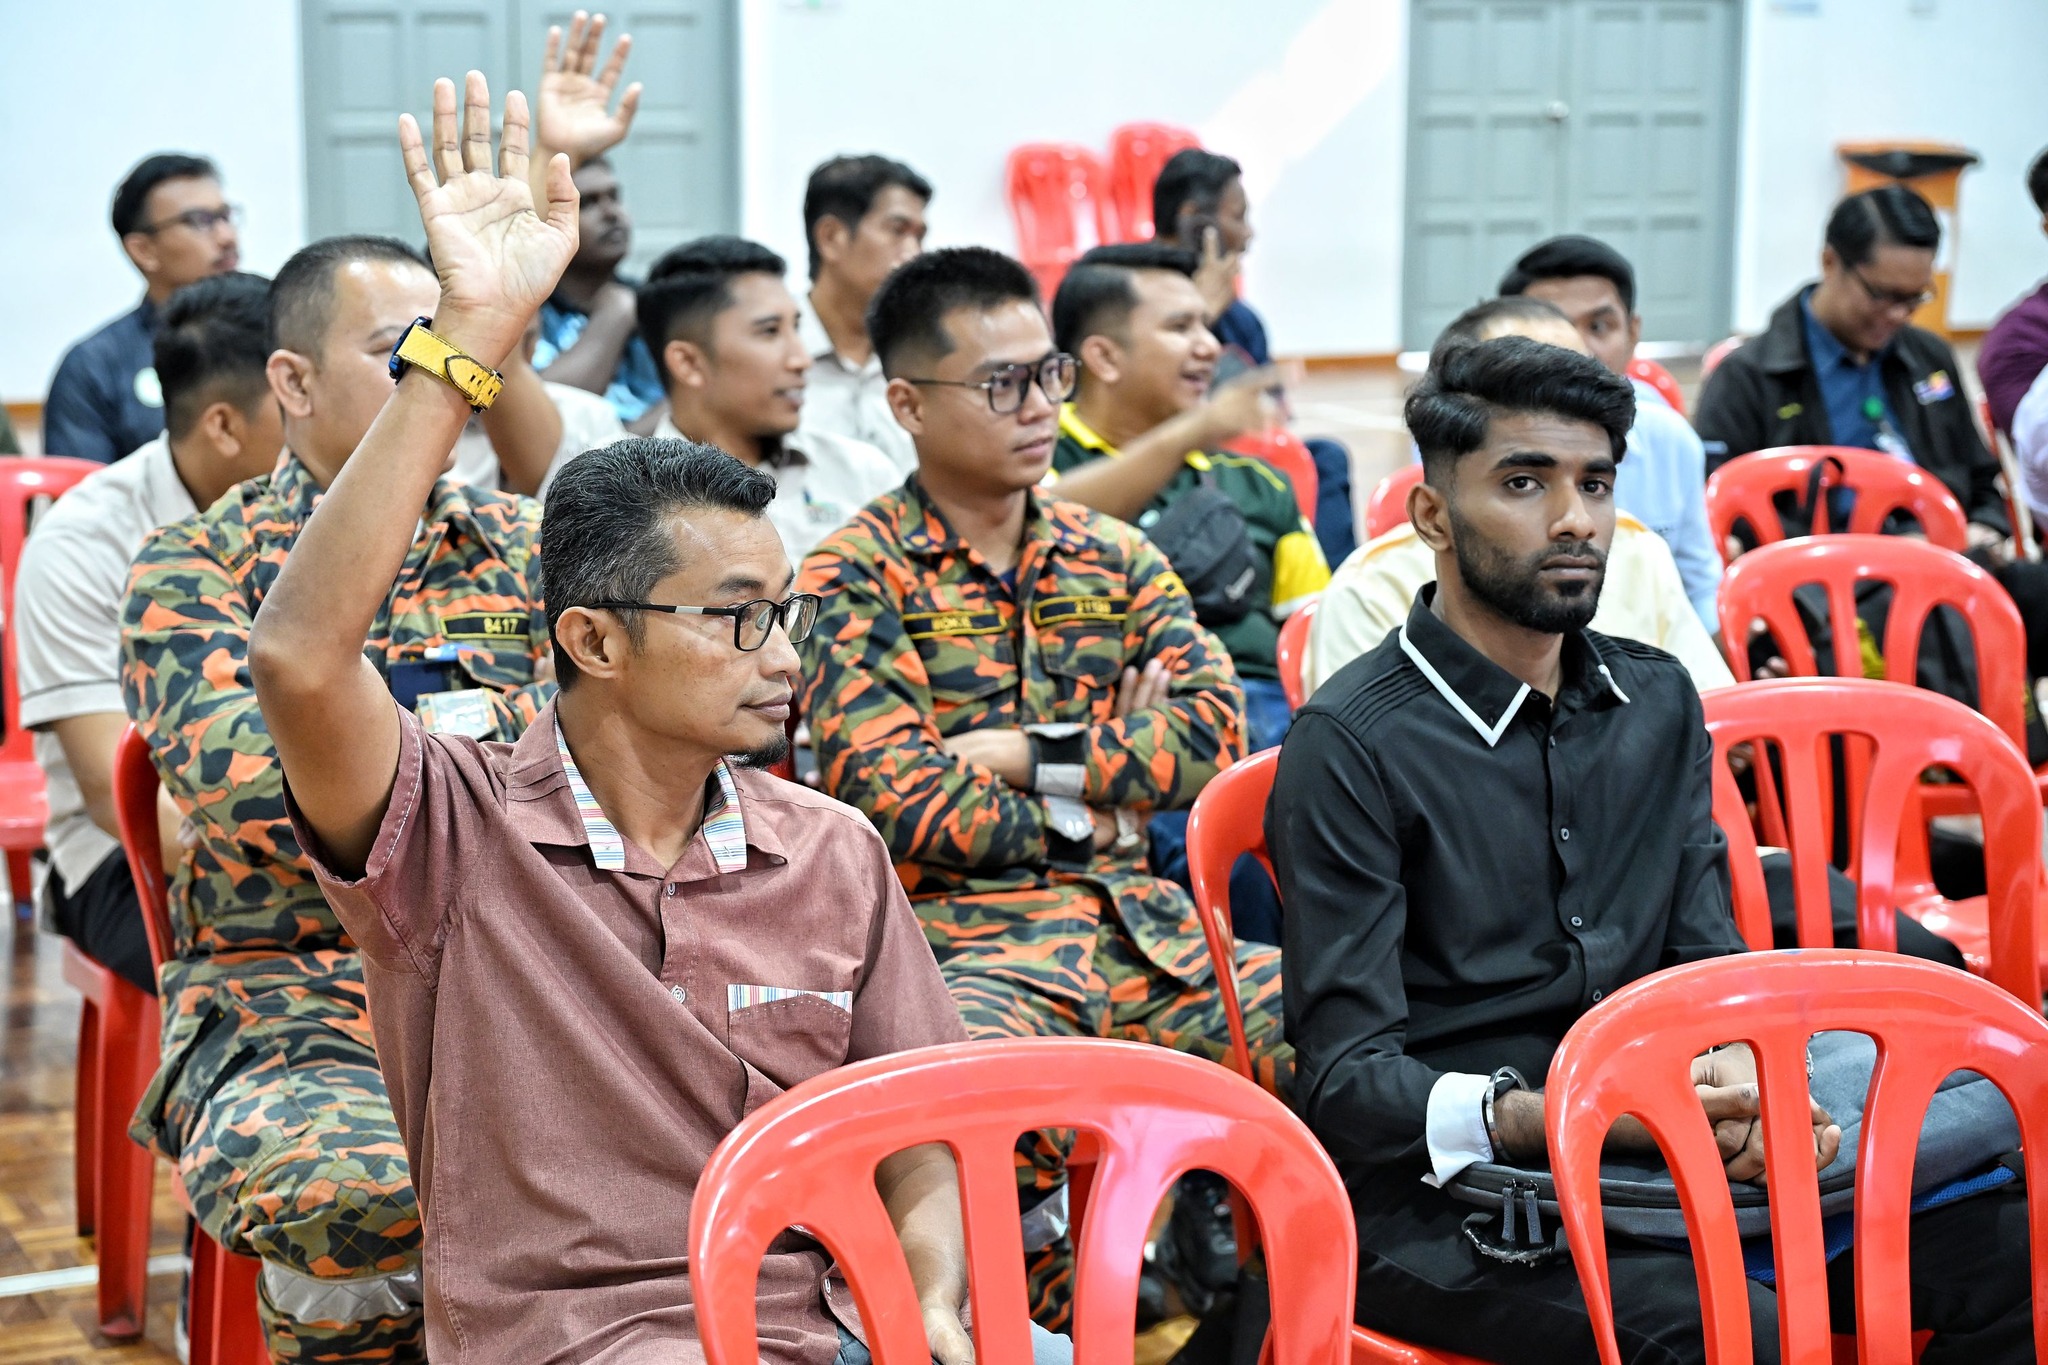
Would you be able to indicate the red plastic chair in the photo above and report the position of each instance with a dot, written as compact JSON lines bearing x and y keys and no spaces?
{"x":1293,"y":654}
{"x":809,"y":1158}
{"x":1388,"y":506}
{"x":221,"y":1295}
{"x":24,"y":811}
{"x":1717,"y":353}
{"x":1902,"y":732}
{"x":1053,"y":188}
{"x":1741,"y":491}
{"x":1137,"y":153}
{"x":1631,"y":1055}
{"x":1660,"y":379}
{"x":1287,"y":453}
{"x":1229,"y":820}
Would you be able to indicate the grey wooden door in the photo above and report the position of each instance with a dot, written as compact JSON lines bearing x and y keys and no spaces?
{"x":367,"y":60}
{"x":1615,"y":118}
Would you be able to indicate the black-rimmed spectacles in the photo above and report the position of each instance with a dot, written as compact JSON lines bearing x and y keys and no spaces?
{"x":1885,"y":298}
{"x":751,"y":621}
{"x":1007,"y":385}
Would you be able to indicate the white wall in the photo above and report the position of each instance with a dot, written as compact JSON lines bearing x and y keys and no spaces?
{"x":1827,"y":71}
{"x":1309,"y":95}
{"x":85,"y":93}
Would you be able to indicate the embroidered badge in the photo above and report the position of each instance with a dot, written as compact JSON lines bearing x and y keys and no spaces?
{"x":930,"y":625}
{"x":1058,"y":611}
{"x":486,"y":625}
{"x":1934,"y":388}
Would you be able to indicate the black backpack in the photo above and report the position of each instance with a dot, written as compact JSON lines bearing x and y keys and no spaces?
{"x":1204,"y":536}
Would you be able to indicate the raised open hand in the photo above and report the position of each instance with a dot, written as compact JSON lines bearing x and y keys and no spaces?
{"x":497,"y":258}
{"x":573,"y":113}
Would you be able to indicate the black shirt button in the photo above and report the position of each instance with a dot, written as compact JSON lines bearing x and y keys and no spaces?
{"x":1564,"y":834}
{"x":1596,"y":995}
{"x":1578,"y":923}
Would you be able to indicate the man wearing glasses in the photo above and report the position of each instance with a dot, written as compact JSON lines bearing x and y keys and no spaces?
{"x":176,"y":229}
{"x":1009,"y":685}
{"x":593,"y":950}
{"x":1842,"y":364}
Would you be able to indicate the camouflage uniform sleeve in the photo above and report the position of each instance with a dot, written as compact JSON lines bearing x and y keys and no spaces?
{"x":869,"y":706}
{"x":519,"y":547}
{"x":1163,"y":756}
{"x":185,"y":682}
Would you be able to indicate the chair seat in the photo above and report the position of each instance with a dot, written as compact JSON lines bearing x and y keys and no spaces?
{"x":24,"y":806}
{"x":1371,"y":1348}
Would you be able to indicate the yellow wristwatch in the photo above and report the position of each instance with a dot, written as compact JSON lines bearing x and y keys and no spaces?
{"x":468,"y":376}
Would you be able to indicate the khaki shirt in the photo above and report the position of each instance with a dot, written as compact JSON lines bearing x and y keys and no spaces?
{"x":1642,"y":599}
{"x":850,"y":400}
{"x":567,"y":1029}
{"x":821,"y":480}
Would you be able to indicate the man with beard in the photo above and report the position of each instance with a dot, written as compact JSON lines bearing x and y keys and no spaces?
{"x":1484,"y":827}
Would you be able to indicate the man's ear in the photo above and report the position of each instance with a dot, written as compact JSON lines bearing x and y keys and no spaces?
{"x":685,"y":364}
{"x":831,"y":236}
{"x":1829,"y":261}
{"x":1102,"y":358}
{"x":290,"y":375}
{"x":222,"y":427}
{"x":1429,"y":512}
{"x":142,"y":252}
{"x":906,"y":400}
{"x":595,"y":641}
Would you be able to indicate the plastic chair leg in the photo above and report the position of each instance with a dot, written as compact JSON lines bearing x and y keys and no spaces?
{"x":221,"y":1312}
{"x":85,"y":1126}
{"x":21,"y":879}
{"x":126,"y":1170}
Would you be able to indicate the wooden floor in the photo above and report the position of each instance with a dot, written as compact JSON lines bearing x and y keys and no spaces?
{"x":38,"y":1047}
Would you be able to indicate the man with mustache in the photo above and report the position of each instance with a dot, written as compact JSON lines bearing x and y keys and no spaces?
{"x":1485,"y":826}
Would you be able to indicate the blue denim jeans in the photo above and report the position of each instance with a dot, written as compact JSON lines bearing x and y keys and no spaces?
{"x":1047,"y":1348}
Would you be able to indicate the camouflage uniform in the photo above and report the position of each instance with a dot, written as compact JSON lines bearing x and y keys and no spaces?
{"x":269,"y":1099}
{"x":918,"y":640}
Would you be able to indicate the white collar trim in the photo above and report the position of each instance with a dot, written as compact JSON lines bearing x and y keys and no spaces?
{"x":1490,"y":733}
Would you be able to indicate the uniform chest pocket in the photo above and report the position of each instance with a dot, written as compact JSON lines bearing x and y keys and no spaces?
{"x":784,"y":1043}
{"x":1081,"y":647}
{"x":967,"y":647}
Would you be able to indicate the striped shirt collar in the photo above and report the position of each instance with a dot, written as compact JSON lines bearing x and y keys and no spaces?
{"x":724,"y":828}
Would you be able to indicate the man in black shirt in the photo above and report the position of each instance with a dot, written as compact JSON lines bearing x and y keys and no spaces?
{"x":1482,"y":828}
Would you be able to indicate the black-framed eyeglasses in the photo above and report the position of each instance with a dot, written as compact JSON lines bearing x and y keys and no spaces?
{"x":751,"y":621}
{"x":1007,"y":385}
{"x":1886,"y":298}
{"x":199,"y":220}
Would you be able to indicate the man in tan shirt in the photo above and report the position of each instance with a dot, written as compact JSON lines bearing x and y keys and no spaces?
{"x":593,"y":951}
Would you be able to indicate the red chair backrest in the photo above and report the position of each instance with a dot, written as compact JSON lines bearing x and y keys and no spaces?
{"x":1905,"y":731}
{"x":1631,"y":1055}
{"x":1717,"y":353}
{"x":1741,"y":491}
{"x":1292,"y":654}
{"x":1759,"y":586}
{"x":1287,"y":453}
{"x":1228,"y":821}
{"x":135,"y":788}
{"x":23,"y":480}
{"x":808,"y":1158}
{"x":1053,"y":187}
{"x":1660,"y":379}
{"x":1137,"y":152}
{"x":1388,"y":506}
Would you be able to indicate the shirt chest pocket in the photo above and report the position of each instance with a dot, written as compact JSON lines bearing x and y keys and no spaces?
{"x":782,"y":1043}
{"x":1080,"y":639}
{"x":969,"y":654}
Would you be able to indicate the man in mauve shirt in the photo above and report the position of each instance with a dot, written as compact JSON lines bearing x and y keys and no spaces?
{"x":593,"y":951}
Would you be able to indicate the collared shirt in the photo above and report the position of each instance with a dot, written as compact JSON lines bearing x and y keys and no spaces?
{"x":566,"y":1036}
{"x":1641,"y":599}
{"x":636,"y":383}
{"x":588,"y":421}
{"x":246,"y":915}
{"x":1663,"y":481}
{"x":850,"y":400}
{"x":919,"y":640}
{"x":1467,"y":868}
{"x":1848,"y":390}
{"x":67,"y":604}
{"x":821,"y":480}
{"x":104,"y":400}
{"x":1241,"y":327}
{"x":1290,"y":559}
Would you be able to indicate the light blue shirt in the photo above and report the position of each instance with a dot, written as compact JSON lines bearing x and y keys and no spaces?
{"x":1663,"y":484}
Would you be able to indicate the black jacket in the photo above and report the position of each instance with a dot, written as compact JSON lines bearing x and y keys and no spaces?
{"x":1765,"y":394}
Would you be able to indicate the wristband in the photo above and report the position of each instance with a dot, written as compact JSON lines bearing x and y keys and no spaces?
{"x":420,"y":348}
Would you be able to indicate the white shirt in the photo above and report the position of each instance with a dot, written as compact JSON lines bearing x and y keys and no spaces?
{"x":850,"y":400}
{"x":2030,"y":444}
{"x":821,"y":480}
{"x":588,"y":421}
{"x":67,"y":603}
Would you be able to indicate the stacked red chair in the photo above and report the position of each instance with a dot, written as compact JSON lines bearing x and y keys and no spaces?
{"x":1137,"y":153}
{"x":1660,"y":379}
{"x":1059,"y":199}
{"x":1387,"y":508}
{"x":1742,"y":492}
{"x":221,"y":1295}
{"x":24,"y":482}
{"x":1292,"y":653}
{"x":1632,"y":1056}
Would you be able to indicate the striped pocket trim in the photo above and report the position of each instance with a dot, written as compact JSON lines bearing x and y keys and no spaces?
{"x":739,"y":997}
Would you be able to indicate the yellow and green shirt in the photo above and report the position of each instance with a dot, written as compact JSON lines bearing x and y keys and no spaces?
{"x":1290,"y":558}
